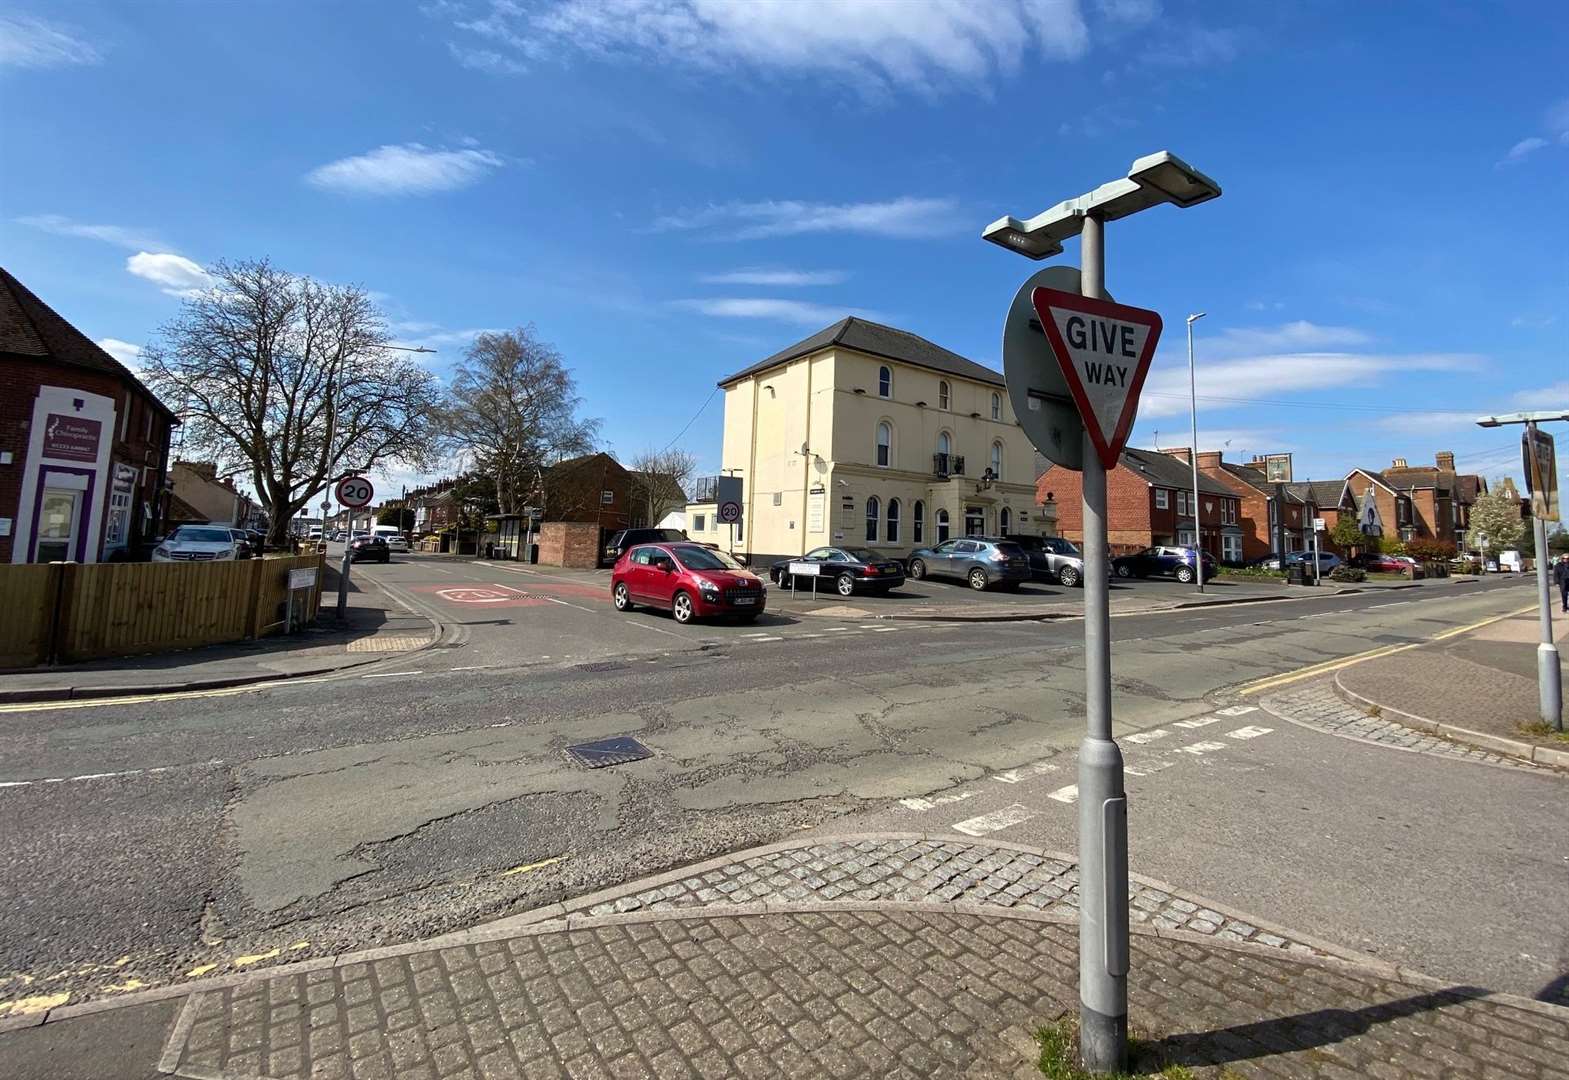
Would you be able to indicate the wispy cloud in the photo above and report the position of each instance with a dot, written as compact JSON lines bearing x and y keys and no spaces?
{"x":487,"y":60}
{"x":122,"y":351}
{"x":1555,"y":126}
{"x":873,"y":45}
{"x":1131,"y":12}
{"x":1524,"y":149}
{"x":1292,"y":336}
{"x":174,"y":274}
{"x":759,"y":275}
{"x":905,"y":217}
{"x":791,"y":311}
{"x":407,"y":169}
{"x":29,"y":42}
{"x":120,"y":235}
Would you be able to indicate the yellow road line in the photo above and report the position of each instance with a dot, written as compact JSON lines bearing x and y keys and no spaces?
{"x":1485,"y":622}
{"x":142,"y":699}
{"x":533,"y":866}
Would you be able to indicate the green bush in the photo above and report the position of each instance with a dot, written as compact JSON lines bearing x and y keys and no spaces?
{"x":1252,"y":572}
{"x":1348,"y":573}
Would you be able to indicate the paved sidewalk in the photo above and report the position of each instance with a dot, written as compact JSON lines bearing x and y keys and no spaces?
{"x":376,"y":627}
{"x":793,"y":988}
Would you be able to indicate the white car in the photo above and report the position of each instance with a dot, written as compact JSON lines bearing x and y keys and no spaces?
{"x":396,"y":542}
{"x":196,"y":543}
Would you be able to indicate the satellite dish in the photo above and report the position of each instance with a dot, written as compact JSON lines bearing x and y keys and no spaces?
{"x":805,"y":449}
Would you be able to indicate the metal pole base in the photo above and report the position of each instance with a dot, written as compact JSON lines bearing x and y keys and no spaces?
{"x":1103,"y":1041}
{"x":1549,"y":680}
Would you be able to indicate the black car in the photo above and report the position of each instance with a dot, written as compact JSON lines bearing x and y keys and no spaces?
{"x":848,"y":569}
{"x":1162,"y":560}
{"x":369,"y":549}
{"x":629,"y":538}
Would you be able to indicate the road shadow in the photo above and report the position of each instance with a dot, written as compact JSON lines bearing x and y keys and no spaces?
{"x":1555,"y":992}
{"x":1301,"y":1032}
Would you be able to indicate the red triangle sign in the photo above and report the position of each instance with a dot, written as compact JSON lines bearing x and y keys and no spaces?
{"x":1104,"y":350}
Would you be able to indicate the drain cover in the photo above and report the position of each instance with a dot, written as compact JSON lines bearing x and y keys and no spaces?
{"x":605,"y":752}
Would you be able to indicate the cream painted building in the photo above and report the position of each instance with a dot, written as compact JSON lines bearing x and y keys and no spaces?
{"x":863,"y":435}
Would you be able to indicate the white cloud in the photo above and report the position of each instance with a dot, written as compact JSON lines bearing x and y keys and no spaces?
{"x":874,"y":45}
{"x":1131,"y":12}
{"x":1524,"y":149}
{"x":904,"y":217}
{"x":758,"y":275}
{"x":487,"y":60}
{"x":1292,"y":336}
{"x":409,"y":169}
{"x":1555,"y":396}
{"x":119,"y":235}
{"x":28,"y":42}
{"x":793,"y":311}
{"x":1232,"y":442}
{"x":174,"y":274}
{"x":1558,"y":120}
{"x":122,"y":351}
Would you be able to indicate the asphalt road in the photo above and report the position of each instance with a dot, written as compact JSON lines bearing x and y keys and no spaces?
{"x":140,"y":842}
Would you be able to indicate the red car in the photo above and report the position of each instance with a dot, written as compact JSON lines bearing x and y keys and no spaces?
{"x":1390,"y":564}
{"x":688,"y":580}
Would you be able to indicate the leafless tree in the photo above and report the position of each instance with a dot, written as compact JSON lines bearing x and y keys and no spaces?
{"x":289,"y":379}
{"x":660,"y":479}
{"x":513,"y":408}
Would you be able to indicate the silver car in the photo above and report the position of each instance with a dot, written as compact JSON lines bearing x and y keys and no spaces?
{"x":196,"y":543}
{"x":1053,"y":558}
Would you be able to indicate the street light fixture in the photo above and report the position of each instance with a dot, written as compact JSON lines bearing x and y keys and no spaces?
{"x":409,"y":348}
{"x":1103,"y":824}
{"x":1193,"y":456}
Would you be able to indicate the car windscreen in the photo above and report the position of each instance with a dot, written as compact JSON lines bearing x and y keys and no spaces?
{"x":862,"y":555}
{"x":1063,"y":547}
{"x":700,"y":558}
{"x":203,"y":536}
{"x":1010,"y":549}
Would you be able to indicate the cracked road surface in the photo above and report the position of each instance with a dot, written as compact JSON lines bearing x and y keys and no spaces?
{"x":329,"y":815}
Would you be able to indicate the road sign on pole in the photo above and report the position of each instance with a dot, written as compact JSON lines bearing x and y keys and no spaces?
{"x":1540,"y":459}
{"x":730,"y":512}
{"x":1037,"y":389}
{"x":1104,"y":350}
{"x":355,"y":492}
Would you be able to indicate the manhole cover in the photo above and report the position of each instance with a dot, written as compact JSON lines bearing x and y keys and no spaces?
{"x":617,"y":751}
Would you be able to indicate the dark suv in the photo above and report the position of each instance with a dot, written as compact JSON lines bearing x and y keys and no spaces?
{"x":630,"y":538}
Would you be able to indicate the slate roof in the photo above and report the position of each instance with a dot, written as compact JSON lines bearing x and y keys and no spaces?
{"x":1318,"y":492}
{"x":1419,"y":476}
{"x":1164,"y":470}
{"x":876,"y":339}
{"x":31,"y":328}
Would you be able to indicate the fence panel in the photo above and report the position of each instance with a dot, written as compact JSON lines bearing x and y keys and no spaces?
{"x":27,"y":596}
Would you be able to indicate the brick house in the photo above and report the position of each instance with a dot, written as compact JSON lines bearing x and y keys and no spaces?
{"x":1423,"y":502}
{"x":1271,"y":514}
{"x":1148,"y":501}
{"x":199,"y":492}
{"x":84,"y":446}
{"x":1320,"y":499}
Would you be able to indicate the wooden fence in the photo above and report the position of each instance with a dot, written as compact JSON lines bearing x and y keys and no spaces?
{"x":66,"y":612}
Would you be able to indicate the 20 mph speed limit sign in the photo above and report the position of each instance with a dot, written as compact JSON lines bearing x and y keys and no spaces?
{"x":355,"y":492}
{"x":730,"y":512}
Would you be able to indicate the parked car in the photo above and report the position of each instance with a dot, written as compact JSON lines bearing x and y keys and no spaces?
{"x":197,"y":543}
{"x":369,"y":549}
{"x":1177,"y":562}
{"x":1052,"y":558}
{"x":849,"y":569}
{"x":688,"y":580}
{"x":1380,"y":563}
{"x":977,"y":560}
{"x":396,"y":542}
{"x":243,"y":548}
{"x":626,"y":539}
{"x":1327,"y":561}
{"x":1266,"y":562}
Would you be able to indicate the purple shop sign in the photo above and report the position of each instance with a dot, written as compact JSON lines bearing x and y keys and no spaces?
{"x":71,"y":438}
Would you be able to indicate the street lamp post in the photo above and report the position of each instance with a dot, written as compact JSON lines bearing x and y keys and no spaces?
{"x":1549,"y":677}
{"x":1103,"y":806}
{"x":1193,"y":455}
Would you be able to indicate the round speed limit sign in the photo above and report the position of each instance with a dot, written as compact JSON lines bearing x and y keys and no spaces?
{"x":730,"y":512}
{"x":355,"y":492}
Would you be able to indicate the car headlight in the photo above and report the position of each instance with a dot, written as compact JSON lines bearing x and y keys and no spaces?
{"x":225,"y":553}
{"x":709,"y":588}
{"x":161,"y":550}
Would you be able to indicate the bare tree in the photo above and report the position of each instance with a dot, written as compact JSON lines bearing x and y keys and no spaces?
{"x":660,"y":479}
{"x":513,"y":407}
{"x":289,"y":379}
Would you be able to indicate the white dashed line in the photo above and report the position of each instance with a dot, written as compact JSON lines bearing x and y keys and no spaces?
{"x":1153,"y":765}
{"x":1201,"y":748}
{"x":997,"y":819}
{"x":1237,"y":710}
{"x":391,"y":674}
{"x":884,"y":629}
{"x":1248,"y":732}
{"x":1013,"y":776}
{"x":940,"y":800}
{"x":1069,"y":794}
{"x":760,"y":640}
{"x":1142,"y":737}
{"x":1203,"y":721}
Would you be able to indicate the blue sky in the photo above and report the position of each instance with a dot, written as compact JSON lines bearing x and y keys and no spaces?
{"x":671,"y":189}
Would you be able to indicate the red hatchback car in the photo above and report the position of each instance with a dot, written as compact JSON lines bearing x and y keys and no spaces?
{"x":688,"y":580}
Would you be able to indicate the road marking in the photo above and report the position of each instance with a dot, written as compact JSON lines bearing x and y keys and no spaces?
{"x":884,"y":629}
{"x":1142,"y":737}
{"x":1484,"y":622}
{"x":1248,"y":732}
{"x":803,"y":637}
{"x":390,"y":674}
{"x":760,"y":633}
{"x":997,"y":819}
{"x":1034,"y":768}
{"x":476,"y":667}
{"x":1201,"y":748}
{"x":1320,"y":614}
{"x":1203,"y":721}
{"x":760,"y":640}
{"x":105,"y":775}
{"x":939,"y":800}
{"x":836,"y":629}
{"x":1153,"y":765}
{"x":199,"y":970}
{"x":1069,"y":794}
{"x":1381,"y":607}
{"x":256,"y":958}
{"x":534,"y":866}
{"x":1236,"y":710}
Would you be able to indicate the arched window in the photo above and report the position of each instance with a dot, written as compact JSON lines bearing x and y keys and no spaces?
{"x":944,"y":443}
{"x":884,"y":444}
{"x":871,"y":519}
{"x":996,"y":461}
{"x":996,"y":406}
{"x":1004,"y":520}
{"x":891,"y":533}
{"x":942,"y":525}
{"x":944,"y":398}
{"x":918,"y":522}
{"x":884,"y":382}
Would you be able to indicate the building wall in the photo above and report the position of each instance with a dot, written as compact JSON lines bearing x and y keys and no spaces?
{"x":569,"y":543}
{"x":1131,"y":517}
{"x":195,"y":484}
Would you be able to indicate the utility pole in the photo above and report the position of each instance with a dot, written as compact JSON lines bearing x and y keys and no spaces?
{"x":1193,"y":457}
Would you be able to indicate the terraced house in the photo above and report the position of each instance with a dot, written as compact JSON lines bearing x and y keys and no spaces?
{"x":1414,"y":502}
{"x":866,"y":435}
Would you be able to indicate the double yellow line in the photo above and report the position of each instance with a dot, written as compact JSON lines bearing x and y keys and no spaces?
{"x":1326,"y":667}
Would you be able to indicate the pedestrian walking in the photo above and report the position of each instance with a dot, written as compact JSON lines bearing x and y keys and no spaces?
{"x":1561,"y":575}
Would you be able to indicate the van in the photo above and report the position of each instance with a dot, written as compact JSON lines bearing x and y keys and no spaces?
{"x":392,"y":535}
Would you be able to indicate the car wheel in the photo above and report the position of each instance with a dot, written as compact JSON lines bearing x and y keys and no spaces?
{"x":623,"y":598}
{"x":1067,"y":577}
{"x":1124,"y":570}
{"x":681,"y":608}
{"x":844,"y":584}
{"x":1184,"y":574}
{"x":918,"y":569}
{"x":978,"y":579}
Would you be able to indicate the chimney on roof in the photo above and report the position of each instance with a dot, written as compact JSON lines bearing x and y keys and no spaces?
{"x":1400,"y":463}
{"x":1210,"y":459}
{"x":1445,"y":460}
{"x":1177,"y":452}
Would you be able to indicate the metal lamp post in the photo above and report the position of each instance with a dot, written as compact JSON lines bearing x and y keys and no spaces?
{"x":1549,"y":676}
{"x":1193,"y":456}
{"x":1103,"y":824}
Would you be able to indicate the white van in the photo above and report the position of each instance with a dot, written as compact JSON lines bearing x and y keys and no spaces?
{"x":393,"y":536}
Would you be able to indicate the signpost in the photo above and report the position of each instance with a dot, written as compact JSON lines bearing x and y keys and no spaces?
{"x":304,"y":578}
{"x":805,"y":569}
{"x":1541,"y":478}
{"x":353,"y":493}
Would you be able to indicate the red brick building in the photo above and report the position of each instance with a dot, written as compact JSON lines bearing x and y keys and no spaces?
{"x":1271,"y":514}
{"x":1421,"y":502}
{"x":84,"y":446}
{"x":1149,"y":498}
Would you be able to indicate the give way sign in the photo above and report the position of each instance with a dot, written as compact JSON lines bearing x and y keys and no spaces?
{"x":1104,"y":350}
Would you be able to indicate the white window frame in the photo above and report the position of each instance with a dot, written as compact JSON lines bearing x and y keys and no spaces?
{"x":944,"y":395}
{"x":996,"y":462}
{"x":699,"y":522}
{"x":1231,"y":547}
{"x":996,"y":406}
{"x":1162,"y":499}
{"x":884,"y":385}
{"x":881,"y":460}
{"x":1182,"y":501}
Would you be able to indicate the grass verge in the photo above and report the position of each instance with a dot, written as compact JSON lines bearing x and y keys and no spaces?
{"x":1059,"y":1060}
